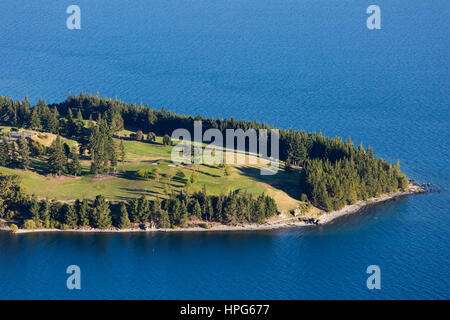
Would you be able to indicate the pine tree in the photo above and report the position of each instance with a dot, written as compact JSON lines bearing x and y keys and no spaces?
{"x":102,"y":147}
{"x":403,"y":182}
{"x":96,"y":150}
{"x":35,"y":119}
{"x":260,"y":211}
{"x":44,"y":212}
{"x":143,"y":209}
{"x":24,"y":152}
{"x":13,"y":154}
{"x":122,"y":152}
{"x":218,"y":213}
{"x":155,"y":210}
{"x":70,"y":217}
{"x":184,"y":216}
{"x":4,"y":153}
{"x":34,"y":210}
{"x":58,"y":160}
{"x":134,"y":210}
{"x":116,"y":123}
{"x":82,"y":210}
{"x":164,"y":219}
{"x":53,"y":123}
{"x":230,"y":209}
{"x":174,"y":211}
{"x":70,"y":115}
{"x":208,"y":210}
{"x":79,"y":115}
{"x":271,"y":207}
{"x":74,"y":166}
{"x":197,"y":210}
{"x":101,"y":216}
{"x":124,"y":221}
{"x":113,"y":154}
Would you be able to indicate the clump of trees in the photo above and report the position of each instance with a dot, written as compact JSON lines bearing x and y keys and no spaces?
{"x":58,"y":157}
{"x":15,"y":154}
{"x":153,"y":173}
{"x":102,"y":148}
{"x":95,"y":139}
{"x":12,"y":197}
{"x":332,"y":185}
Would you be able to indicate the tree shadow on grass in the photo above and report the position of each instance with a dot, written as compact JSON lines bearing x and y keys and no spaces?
{"x":40,"y":167}
{"x":192,"y":169}
{"x":287,"y":181}
{"x":140,"y":192}
{"x":132,"y":175}
{"x":208,"y":174}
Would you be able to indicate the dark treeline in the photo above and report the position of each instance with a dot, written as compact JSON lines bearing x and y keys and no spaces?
{"x":171,"y":212}
{"x":336,"y":172}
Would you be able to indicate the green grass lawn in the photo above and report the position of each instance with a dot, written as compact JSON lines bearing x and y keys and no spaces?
{"x":142,"y":150}
{"x":140,"y":155}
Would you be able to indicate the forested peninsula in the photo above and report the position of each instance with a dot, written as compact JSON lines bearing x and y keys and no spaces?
{"x":91,"y":164}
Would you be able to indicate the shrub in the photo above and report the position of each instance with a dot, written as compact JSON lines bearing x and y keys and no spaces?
{"x":29,"y":224}
{"x":305,"y":208}
{"x":64,"y":226}
{"x":180,"y":174}
{"x":206,"y":226}
{"x":155,"y":173}
{"x":10,"y":214}
{"x":139,"y":135}
{"x":54,"y":224}
{"x":167,"y":141}
{"x":142,"y":173}
{"x":151,"y":137}
{"x":14,"y":228}
{"x":37,"y":149}
{"x":193,"y":178}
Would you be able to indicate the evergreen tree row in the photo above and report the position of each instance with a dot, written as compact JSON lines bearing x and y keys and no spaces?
{"x":175,"y":211}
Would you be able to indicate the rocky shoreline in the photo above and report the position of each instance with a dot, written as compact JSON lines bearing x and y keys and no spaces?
{"x":279,"y":222}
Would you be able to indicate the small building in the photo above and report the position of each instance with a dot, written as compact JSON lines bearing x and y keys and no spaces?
{"x":14,"y":135}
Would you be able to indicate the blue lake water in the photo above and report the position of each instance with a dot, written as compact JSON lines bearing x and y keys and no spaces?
{"x":304,"y":64}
